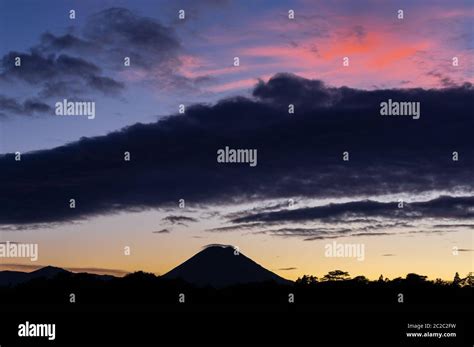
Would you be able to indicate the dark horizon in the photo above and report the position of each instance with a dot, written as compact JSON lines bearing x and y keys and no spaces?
{"x":220,"y":258}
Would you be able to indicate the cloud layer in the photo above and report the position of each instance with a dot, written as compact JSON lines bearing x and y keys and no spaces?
{"x":298,"y":155}
{"x":443,"y":207}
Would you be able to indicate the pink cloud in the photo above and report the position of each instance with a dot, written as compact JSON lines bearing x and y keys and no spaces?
{"x":233,"y":85}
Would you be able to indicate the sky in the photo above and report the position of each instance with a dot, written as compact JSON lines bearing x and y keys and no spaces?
{"x":282,"y":61}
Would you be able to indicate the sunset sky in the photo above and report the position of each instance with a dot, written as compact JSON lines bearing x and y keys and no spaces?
{"x":282,"y":61}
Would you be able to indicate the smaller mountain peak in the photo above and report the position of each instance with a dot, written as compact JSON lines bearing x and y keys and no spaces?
{"x":49,"y":270}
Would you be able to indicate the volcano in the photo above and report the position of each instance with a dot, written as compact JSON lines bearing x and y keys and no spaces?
{"x":221,"y":266}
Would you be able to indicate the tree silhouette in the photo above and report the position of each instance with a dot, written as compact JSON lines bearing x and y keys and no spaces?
{"x":415,"y":278}
{"x":336,"y":275}
{"x":307,"y":280}
{"x":469,"y":280}
{"x":456,"y":279}
{"x":361,"y":279}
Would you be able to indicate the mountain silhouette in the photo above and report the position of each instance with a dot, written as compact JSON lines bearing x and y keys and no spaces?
{"x":13,"y":278}
{"x":17,"y":277}
{"x":47,"y":272}
{"x":221,"y":266}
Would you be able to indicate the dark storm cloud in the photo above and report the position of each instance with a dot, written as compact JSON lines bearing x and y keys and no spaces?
{"x":308,"y":233}
{"x":36,"y":68}
{"x":380,"y":233}
{"x":74,"y":64}
{"x":335,"y":235}
{"x":115,"y":33}
{"x":105,"y":84}
{"x":28,"y":107}
{"x":237,"y":227}
{"x":298,"y":155}
{"x":320,"y":232}
{"x":284,"y":89}
{"x":162,"y":231}
{"x":53,"y":73}
{"x":32,"y":106}
{"x":379,"y":226}
{"x":258,"y":209}
{"x":442,"y":207}
{"x":120,"y":32}
{"x":444,"y":80}
{"x":55,"y":88}
{"x":182,"y":220}
{"x":449,"y":226}
{"x":119,"y":26}
{"x":50,"y":43}
{"x":324,"y":232}
{"x":322,"y":237}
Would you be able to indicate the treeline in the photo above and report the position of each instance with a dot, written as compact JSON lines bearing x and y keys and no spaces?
{"x":410,"y":279}
{"x":336,"y":290}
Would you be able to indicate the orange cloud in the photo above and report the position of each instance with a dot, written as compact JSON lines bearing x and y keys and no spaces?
{"x":234,"y":85}
{"x":395,"y":56}
{"x":351,"y":46}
